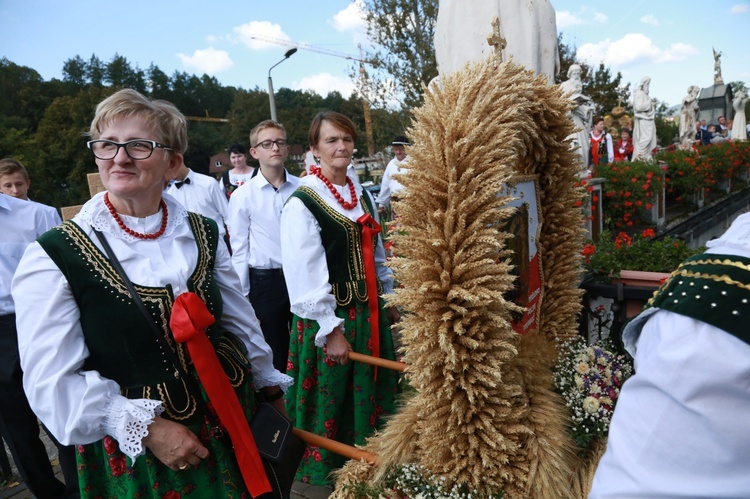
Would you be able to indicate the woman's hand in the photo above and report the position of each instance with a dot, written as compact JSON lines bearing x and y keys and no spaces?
{"x":174,"y":445}
{"x":272,"y":393}
{"x":337,"y":348}
{"x":393,"y":315}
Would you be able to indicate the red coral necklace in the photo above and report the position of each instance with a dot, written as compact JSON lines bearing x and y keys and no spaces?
{"x":139,"y":235}
{"x":347,"y":206}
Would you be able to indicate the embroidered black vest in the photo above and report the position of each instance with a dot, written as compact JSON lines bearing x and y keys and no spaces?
{"x":342,"y":240}
{"x":711,"y":288}
{"x":121,"y":345}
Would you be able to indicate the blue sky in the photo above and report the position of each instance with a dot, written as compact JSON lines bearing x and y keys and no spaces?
{"x":669,"y":40}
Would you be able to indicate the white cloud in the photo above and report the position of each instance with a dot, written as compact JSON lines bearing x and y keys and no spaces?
{"x":209,"y":61}
{"x":632,"y":49}
{"x":566,"y":19}
{"x":325,"y":83}
{"x":600,"y":18}
{"x":740,"y":8}
{"x":350,"y":19}
{"x":650,"y":19}
{"x":260,"y":35}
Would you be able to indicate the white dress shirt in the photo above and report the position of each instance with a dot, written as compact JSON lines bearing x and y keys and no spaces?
{"x":202,"y":195}
{"x":389,"y":186}
{"x":21,"y":222}
{"x":81,"y":407}
{"x":254,"y":222}
{"x":304,"y":258}
{"x":52,"y":214}
{"x":681,"y":427}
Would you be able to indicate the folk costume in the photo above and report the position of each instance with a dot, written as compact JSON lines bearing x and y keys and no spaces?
{"x":600,"y":150}
{"x":681,"y":427}
{"x":229,"y":181}
{"x":328,"y":266}
{"x":624,"y":150}
{"x":94,"y":371}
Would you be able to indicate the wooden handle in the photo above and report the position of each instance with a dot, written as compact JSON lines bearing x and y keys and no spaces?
{"x":376,"y":361}
{"x":334,"y":446}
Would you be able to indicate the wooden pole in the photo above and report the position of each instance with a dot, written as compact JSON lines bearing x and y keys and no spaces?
{"x":376,"y":361}
{"x":334,"y":446}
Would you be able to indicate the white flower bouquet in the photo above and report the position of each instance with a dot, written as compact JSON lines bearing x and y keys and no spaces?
{"x":589,"y":378}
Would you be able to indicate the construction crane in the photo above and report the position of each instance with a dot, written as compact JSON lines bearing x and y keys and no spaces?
{"x":362,"y":78}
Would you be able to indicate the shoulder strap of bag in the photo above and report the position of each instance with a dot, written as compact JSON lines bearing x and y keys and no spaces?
{"x":166,"y":348}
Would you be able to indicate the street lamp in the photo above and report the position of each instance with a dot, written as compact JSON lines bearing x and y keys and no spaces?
{"x":271,"y":99}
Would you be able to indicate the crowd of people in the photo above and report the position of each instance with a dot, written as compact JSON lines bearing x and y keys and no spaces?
{"x":286,"y":276}
{"x":260,"y":252}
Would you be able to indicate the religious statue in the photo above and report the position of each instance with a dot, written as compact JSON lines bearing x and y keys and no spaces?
{"x":688,"y":115}
{"x":718,"y":80}
{"x":581,"y":113}
{"x":739,"y":127}
{"x":644,"y":133}
{"x":525,"y":30}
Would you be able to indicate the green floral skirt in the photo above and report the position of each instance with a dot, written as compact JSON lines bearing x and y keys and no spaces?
{"x":343,"y":403}
{"x":105,"y":472}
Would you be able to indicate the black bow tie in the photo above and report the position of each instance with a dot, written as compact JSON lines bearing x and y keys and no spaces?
{"x":178,"y":184}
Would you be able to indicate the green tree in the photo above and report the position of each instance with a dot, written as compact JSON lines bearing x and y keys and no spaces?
{"x":119,"y":73}
{"x":74,"y":71}
{"x":95,"y":71}
{"x":403,"y":32}
{"x":667,"y":128}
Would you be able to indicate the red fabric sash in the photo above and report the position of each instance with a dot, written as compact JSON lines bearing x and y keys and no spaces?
{"x":189,"y":320}
{"x":595,"y":149}
{"x":370,"y":229}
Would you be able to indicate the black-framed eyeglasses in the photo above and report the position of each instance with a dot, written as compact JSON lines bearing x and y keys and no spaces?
{"x":268,"y":144}
{"x":135,"y":149}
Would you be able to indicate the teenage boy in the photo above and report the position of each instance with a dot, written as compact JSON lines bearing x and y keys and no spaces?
{"x":254,"y":224}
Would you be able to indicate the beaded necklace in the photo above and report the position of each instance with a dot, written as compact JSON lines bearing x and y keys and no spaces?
{"x":139,"y":235}
{"x":315,"y":170}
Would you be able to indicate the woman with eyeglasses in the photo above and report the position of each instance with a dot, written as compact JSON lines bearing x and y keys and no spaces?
{"x":333,"y":257}
{"x":96,"y":371}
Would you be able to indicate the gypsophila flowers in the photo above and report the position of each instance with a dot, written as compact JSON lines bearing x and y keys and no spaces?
{"x":590,"y":378}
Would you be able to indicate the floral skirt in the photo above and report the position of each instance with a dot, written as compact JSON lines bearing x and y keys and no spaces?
{"x":105,"y":472}
{"x":343,"y":403}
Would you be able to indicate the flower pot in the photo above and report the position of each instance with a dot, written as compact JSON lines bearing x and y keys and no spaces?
{"x":642,"y":279}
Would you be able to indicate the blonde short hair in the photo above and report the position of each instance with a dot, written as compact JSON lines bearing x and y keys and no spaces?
{"x":9,"y":166}
{"x":263,"y":125}
{"x":162,"y":117}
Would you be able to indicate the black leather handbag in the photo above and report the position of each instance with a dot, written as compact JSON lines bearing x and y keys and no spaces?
{"x":280,"y":450}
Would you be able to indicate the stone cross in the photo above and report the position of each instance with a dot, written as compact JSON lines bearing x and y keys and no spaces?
{"x":496,"y":40}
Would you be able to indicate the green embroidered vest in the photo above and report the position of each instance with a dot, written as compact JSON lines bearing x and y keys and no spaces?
{"x":121,"y":345}
{"x":711,"y":288}
{"x":342,"y":240}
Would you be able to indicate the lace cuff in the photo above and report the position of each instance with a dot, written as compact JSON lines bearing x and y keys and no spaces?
{"x":272,"y":378}
{"x":127,"y":422}
{"x":327,"y":324}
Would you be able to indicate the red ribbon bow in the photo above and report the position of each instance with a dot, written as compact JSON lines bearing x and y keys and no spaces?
{"x":371,"y":229}
{"x":190,"y":318}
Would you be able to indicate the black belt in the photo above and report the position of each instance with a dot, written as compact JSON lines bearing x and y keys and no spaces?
{"x":266,"y":272}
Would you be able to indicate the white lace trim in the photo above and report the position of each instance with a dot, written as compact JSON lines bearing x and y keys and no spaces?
{"x":273,"y":378}
{"x":127,"y":422}
{"x":96,"y":214}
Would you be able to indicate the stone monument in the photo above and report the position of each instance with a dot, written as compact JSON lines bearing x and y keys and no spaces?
{"x":525,"y":30}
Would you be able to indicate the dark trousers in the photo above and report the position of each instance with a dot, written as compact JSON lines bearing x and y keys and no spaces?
{"x":269,"y":298}
{"x":19,"y":426}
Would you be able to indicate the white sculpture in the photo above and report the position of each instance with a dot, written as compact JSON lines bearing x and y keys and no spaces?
{"x":739,"y":127}
{"x":688,"y":114}
{"x":644,"y":132}
{"x":718,"y":80}
{"x":581,"y":114}
{"x":525,"y":30}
